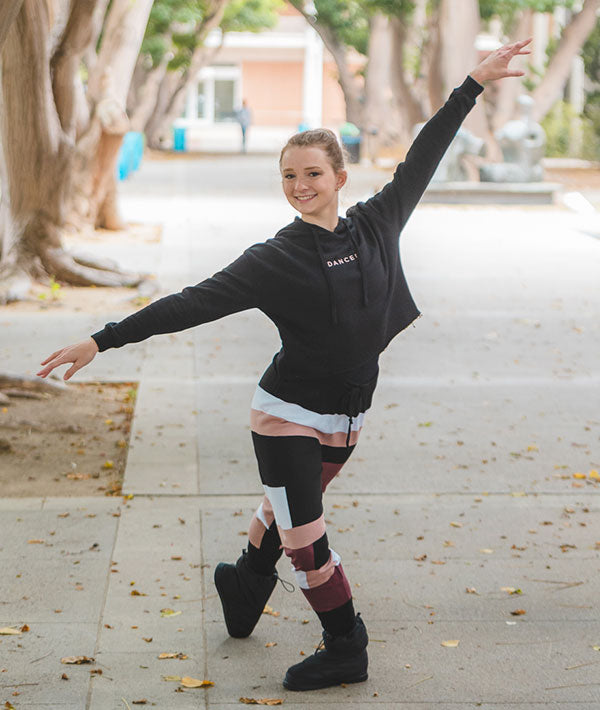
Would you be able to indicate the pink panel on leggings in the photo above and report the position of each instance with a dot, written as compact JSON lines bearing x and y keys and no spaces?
{"x":257,"y":527}
{"x":317,"y":577}
{"x":268,"y":425}
{"x":328,"y":596}
{"x":303,"y":535}
{"x":329,"y":472}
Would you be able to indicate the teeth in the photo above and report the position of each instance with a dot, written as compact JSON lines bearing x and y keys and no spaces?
{"x":306,"y":197}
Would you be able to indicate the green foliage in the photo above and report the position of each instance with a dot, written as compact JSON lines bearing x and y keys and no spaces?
{"x":591,"y":54}
{"x":174,"y":26}
{"x":508,"y":10}
{"x":349,"y":19}
{"x":561,"y":123}
{"x":250,"y":15}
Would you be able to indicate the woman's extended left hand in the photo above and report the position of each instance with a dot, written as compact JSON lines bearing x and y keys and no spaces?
{"x":495,"y":65}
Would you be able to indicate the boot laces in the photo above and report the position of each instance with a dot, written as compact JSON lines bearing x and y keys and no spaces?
{"x":285,"y":584}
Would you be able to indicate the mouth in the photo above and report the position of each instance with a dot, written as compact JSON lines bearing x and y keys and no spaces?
{"x":305,"y":198}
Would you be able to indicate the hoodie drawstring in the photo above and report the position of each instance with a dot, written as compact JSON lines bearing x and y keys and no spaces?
{"x":356,"y":246}
{"x":349,"y":431}
{"x":332,"y":301}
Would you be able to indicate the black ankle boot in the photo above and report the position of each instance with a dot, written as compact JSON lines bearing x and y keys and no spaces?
{"x":343,"y":660}
{"x":243,"y":594}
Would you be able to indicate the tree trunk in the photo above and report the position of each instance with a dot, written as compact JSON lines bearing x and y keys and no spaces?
{"x":39,"y":106}
{"x":378,"y":92}
{"x":409,"y":106}
{"x":107,"y":89}
{"x":166,"y":89}
{"x":571,"y":41}
{"x":8,"y":14}
{"x":507,"y":92}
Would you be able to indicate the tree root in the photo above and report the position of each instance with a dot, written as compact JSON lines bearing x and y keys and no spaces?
{"x":65,"y":267}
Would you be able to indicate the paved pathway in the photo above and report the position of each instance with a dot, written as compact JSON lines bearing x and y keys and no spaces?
{"x":463,"y":479}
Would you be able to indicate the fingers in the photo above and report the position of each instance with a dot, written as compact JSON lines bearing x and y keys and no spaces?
{"x":50,"y":357}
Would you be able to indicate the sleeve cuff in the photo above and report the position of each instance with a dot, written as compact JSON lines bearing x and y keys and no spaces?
{"x":471,"y":87}
{"x":103,"y":339}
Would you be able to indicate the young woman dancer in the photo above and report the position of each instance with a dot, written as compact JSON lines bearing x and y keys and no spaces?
{"x":335,"y":289}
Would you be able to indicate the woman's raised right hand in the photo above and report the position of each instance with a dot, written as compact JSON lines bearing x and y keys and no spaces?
{"x":79,"y":354}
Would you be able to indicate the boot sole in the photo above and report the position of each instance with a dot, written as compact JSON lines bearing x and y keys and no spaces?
{"x":324,"y":684}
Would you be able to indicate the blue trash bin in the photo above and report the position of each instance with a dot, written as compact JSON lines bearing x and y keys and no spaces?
{"x":179,"y":138}
{"x":130,"y":154}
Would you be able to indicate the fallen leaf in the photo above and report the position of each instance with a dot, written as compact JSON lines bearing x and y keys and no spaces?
{"x":147,"y":640}
{"x":188,"y":682}
{"x":270,"y":644}
{"x":169,"y":612}
{"x":24,"y":628}
{"x":169,"y":678}
{"x":579,"y":475}
{"x":9,"y":706}
{"x":135,"y":593}
{"x":63,"y":515}
{"x":262,"y":701}
{"x":487,"y":551}
{"x":471,"y":590}
{"x":456,"y":525}
{"x":450,"y":644}
{"x":143,"y":701}
{"x":269,"y":610}
{"x":180,"y":656}
{"x":438,"y":562}
{"x":420,"y":558}
{"x":7,"y":631}
{"x":78,"y":660}
{"x":64,"y":676}
{"x":518,"y":612}
{"x":78,"y":476}
{"x":176,"y":557}
{"x":35,"y":542}
{"x":108,"y":464}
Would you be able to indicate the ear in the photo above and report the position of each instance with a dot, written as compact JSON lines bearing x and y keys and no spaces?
{"x":341,"y":178}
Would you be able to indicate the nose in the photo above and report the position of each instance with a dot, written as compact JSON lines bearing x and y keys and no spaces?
{"x":299,"y":184}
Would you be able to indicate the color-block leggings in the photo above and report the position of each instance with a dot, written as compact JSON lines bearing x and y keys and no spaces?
{"x":299,"y":452}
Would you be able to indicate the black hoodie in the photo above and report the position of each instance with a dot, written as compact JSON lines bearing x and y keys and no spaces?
{"x":337,"y":298}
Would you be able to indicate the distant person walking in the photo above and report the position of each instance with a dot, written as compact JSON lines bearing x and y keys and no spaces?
{"x":335,"y":289}
{"x":244,"y":118}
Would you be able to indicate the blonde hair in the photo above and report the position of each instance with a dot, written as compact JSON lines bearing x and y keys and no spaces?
{"x":320,"y":138}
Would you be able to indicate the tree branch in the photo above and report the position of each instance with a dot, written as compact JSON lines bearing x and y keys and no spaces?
{"x":571,"y":41}
{"x":353,"y":92}
{"x":66,"y":83}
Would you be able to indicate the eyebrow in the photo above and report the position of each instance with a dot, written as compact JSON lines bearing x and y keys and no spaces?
{"x":313,"y":167}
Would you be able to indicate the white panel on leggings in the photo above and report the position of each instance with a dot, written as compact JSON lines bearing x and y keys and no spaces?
{"x":260,"y":514}
{"x":281,"y":509}
{"x":326,"y":423}
{"x":300,"y":578}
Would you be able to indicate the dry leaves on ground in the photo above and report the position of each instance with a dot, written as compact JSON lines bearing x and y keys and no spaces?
{"x":180,"y":656}
{"x":78,"y":660}
{"x":188,"y":682}
{"x":262,"y":701}
{"x":450,"y":644}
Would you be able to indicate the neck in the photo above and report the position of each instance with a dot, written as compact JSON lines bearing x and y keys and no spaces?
{"x":328,"y":221}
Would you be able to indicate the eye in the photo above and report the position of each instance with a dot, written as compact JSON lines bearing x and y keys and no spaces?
{"x":314,"y":172}
{"x":289,"y":175}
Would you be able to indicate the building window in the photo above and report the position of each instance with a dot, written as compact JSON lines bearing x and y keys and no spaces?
{"x":216,"y":96}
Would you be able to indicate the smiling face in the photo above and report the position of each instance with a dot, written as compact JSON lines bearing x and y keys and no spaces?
{"x":310,"y":183}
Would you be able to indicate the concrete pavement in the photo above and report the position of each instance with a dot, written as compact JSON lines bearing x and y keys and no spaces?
{"x":463,"y":478}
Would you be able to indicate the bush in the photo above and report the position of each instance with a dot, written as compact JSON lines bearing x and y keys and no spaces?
{"x":561,"y":124}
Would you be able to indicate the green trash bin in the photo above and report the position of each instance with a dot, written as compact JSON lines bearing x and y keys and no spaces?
{"x":351,"y":140}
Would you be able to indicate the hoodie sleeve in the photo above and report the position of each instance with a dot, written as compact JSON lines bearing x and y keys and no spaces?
{"x":234,"y":289}
{"x":396,"y":201}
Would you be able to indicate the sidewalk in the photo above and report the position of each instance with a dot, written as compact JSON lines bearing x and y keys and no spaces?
{"x":463,"y":479}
